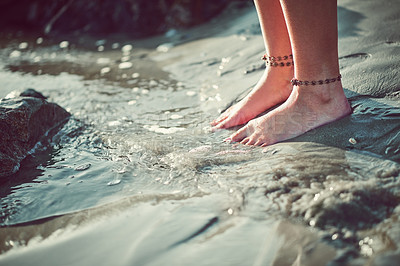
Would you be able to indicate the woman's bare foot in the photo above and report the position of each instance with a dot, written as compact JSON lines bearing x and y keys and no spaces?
{"x":273,"y":88}
{"x":307,"y":107}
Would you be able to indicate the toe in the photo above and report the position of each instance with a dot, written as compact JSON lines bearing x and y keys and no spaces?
{"x":232,"y":120}
{"x":216,"y":128}
{"x":240,"y":134}
{"x":245,"y":141}
{"x":219,"y":119}
{"x":228,"y":140}
{"x":251,"y":141}
{"x":226,"y":123}
{"x":224,"y":115}
{"x":221,"y":123}
{"x":259,"y":142}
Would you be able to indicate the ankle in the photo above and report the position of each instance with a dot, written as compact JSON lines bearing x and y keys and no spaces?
{"x":316,"y":65}
{"x":328,"y":100}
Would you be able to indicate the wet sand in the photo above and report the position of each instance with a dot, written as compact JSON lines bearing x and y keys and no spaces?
{"x":163,"y":189}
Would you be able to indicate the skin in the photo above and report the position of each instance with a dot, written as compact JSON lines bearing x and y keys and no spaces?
{"x":309,"y":29}
{"x":274,"y":86}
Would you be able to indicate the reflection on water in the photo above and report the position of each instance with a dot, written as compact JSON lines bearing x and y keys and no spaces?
{"x":136,"y":132}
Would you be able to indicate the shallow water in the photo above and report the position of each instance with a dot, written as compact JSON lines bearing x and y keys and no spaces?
{"x":117,"y":133}
{"x":139,"y":140}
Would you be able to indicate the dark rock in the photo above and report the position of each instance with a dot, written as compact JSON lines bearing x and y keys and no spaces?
{"x":137,"y":18}
{"x":32,"y":93}
{"x":24,"y":121}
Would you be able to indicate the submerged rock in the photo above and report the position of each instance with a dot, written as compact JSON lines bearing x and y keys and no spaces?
{"x":24,"y":121}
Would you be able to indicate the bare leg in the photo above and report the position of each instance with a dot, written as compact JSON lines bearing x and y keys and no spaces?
{"x":312,"y":26}
{"x":274,"y":86}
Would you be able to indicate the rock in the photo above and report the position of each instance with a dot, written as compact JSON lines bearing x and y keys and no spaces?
{"x":24,"y":121}
{"x":138,"y":18}
{"x":32,"y":93}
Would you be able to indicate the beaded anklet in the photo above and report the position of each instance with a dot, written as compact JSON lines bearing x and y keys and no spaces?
{"x":273,"y":60}
{"x":296,"y":82}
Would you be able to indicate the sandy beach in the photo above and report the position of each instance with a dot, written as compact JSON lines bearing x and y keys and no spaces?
{"x":136,"y":177}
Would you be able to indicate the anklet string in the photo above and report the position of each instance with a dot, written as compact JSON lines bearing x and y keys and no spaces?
{"x":273,"y":60}
{"x":277,"y":58}
{"x":296,"y":82}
